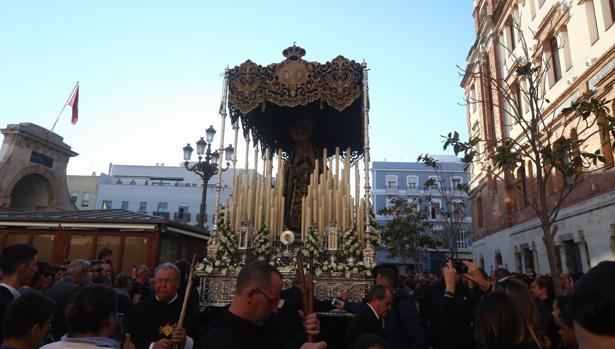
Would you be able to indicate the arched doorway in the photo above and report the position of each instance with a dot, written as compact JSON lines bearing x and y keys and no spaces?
{"x":31,"y":192}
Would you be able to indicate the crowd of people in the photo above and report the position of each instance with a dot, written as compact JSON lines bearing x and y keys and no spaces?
{"x":85,"y":304}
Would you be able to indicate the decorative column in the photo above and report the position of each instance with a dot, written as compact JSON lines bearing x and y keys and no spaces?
{"x":368,"y":252}
{"x":234,"y":160}
{"x":223,"y":107}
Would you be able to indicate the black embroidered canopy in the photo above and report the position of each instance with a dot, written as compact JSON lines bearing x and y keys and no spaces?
{"x":269,"y":101}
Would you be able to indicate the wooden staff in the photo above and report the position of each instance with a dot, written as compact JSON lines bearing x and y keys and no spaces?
{"x":182,"y":315}
{"x":307,"y":291}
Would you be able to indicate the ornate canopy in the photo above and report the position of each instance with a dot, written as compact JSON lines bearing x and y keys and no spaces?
{"x":269,"y":100}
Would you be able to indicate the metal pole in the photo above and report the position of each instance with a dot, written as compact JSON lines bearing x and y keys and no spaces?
{"x":203,"y":203}
{"x":236,"y":128}
{"x":221,"y":150}
{"x":63,"y":107}
{"x":366,"y":143}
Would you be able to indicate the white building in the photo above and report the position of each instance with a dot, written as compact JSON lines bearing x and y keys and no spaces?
{"x":167,"y":191}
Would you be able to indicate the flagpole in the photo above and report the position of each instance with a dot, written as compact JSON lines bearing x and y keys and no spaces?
{"x":63,"y":107}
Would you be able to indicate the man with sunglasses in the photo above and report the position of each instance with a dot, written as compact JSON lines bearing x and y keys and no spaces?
{"x":244,"y":324}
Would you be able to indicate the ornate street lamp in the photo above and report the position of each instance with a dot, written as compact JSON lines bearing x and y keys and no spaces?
{"x":208,"y":167}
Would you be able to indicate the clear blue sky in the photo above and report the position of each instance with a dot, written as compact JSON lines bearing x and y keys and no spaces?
{"x":150,"y":70}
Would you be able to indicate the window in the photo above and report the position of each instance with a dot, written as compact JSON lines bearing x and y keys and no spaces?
{"x":498,"y":259}
{"x":462,"y":242}
{"x":80,"y":247}
{"x":528,"y":257}
{"x":573,"y":256}
{"x":106,"y":204}
{"x":143,"y":206}
{"x":456,"y":183}
{"x":114,"y":243}
{"x":388,"y":201}
{"x":609,"y":15}
{"x":124,"y":205}
{"x":518,"y":99}
{"x":12,"y":239}
{"x":532,"y":11}
{"x":555,"y":60}
{"x":182,"y":212}
{"x":412,"y":182}
{"x":73,"y":197}
{"x":592,"y":24}
{"x":458,"y":209}
{"x":511,"y":35}
{"x":163,"y":207}
{"x":479,"y":213}
{"x":391,"y":181}
{"x":85,"y":200}
{"x":44,"y":244}
{"x":435,"y":208}
{"x":135,"y":248}
{"x":434,"y":182}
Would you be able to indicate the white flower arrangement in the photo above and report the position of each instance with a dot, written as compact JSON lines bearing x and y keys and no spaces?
{"x":351,"y":247}
{"x":347,"y":270}
{"x":261,"y":246}
{"x":312,"y":246}
{"x":222,"y":266}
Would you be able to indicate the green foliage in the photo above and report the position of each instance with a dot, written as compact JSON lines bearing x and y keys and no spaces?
{"x":405,"y":234}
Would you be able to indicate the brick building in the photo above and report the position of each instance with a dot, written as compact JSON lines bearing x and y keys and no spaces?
{"x":577,"y":40}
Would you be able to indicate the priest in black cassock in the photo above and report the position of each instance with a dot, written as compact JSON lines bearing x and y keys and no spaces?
{"x":152,"y":323}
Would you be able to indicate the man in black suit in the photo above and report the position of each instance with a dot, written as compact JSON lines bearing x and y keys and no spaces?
{"x":370,"y":319}
{"x":18,"y":265}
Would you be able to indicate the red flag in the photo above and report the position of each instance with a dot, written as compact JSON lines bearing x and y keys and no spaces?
{"x":74,"y":102}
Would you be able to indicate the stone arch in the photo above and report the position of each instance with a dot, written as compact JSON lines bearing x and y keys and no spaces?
{"x":31,"y":192}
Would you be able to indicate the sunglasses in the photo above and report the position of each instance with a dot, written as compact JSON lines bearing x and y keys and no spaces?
{"x":48,"y":274}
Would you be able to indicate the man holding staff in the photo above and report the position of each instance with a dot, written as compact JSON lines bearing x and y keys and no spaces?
{"x":153,"y":323}
{"x":244,"y":324}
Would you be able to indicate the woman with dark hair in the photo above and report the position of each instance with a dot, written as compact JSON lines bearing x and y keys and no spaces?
{"x":105,"y":255}
{"x":91,"y":319}
{"x":543,"y":293}
{"x":520,"y":294}
{"x":500,"y":324}
{"x":41,"y":280}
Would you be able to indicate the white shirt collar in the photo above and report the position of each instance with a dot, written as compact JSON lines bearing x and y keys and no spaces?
{"x":372,"y":308}
{"x":11,"y":289}
{"x":169,"y":302}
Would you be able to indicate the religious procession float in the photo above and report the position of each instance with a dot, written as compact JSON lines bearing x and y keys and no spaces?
{"x":308,"y":122}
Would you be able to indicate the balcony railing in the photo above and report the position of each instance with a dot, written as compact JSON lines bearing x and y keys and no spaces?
{"x":181,"y":217}
{"x":392,"y":189}
{"x":161,"y":214}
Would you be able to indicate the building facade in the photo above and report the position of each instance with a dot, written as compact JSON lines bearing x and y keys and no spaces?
{"x":167,"y":191}
{"x":407,"y":180}
{"x":575,"y":43}
{"x":83,"y":190}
